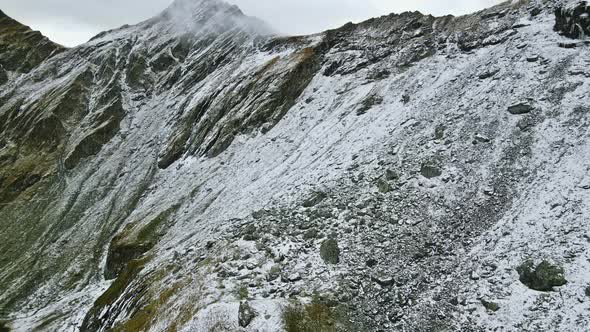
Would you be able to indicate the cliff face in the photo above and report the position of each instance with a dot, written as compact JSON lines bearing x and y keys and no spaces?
{"x":197,"y":172}
{"x":573,"y":20}
{"x":22,"y":49}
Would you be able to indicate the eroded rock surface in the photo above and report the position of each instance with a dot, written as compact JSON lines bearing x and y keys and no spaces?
{"x":573,"y":20}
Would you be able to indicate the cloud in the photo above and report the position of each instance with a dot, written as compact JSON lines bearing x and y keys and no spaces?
{"x":72,"y":22}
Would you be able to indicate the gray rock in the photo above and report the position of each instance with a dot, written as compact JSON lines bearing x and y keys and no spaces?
{"x":525,"y":123}
{"x":520,"y":108}
{"x":384,"y":281}
{"x":489,"y":305}
{"x":488,"y":74}
{"x":330,"y":252}
{"x":405,"y":98}
{"x":542,"y":277}
{"x":294,"y":277}
{"x":391,"y":175}
{"x":481,"y":138}
{"x":383,"y":186}
{"x":430,"y":171}
{"x":439,"y":132}
{"x":250,"y":233}
{"x":310,"y":234}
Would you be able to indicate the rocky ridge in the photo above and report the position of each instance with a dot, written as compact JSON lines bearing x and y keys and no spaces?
{"x":197,"y":172}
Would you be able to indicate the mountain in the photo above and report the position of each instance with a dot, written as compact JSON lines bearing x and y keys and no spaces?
{"x":22,"y":49}
{"x":199,"y":172}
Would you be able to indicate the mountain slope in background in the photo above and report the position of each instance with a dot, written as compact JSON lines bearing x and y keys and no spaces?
{"x":22,"y":49}
{"x":196,"y":172}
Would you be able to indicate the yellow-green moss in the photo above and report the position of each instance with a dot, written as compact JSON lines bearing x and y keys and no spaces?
{"x":313,"y":317}
{"x":120,"y":284}
{"x":242,"y":292}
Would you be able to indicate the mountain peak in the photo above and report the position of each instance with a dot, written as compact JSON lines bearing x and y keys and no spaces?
{"x":202,"y":9}
{"x":217,"y":15}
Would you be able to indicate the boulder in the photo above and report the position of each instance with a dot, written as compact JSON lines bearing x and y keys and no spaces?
{"x":489,"y":305}
{"x":371,"y":262}
{"x":430,"y":171}
{"x":488,"y":74}
{"x":439,"y":132}
{"x":330,"y":252}
{"x":383,"y":281}
{"x":520,"y":108}
{"x":250,"y":233}
{"x":391,"y":175}
{"x":542,"y":277}
{"x":383,"y":186}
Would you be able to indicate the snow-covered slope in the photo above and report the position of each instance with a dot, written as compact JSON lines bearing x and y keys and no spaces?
{"x":196,"y":172}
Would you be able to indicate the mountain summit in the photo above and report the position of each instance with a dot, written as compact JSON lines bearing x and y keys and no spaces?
{"x":196,"y":172}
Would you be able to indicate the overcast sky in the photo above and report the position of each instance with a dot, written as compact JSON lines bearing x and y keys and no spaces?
{"x":72,"y":22}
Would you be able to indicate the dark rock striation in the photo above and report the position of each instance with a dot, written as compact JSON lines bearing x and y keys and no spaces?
{"x":573,"y":20}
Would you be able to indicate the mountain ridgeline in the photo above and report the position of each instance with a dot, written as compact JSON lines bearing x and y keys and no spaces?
{"x":199,"y":172}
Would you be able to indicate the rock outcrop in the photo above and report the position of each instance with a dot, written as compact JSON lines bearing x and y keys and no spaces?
{"x":573,"y":20}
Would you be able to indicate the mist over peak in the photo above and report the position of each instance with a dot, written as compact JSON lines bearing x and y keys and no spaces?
{"x":216,"y":16}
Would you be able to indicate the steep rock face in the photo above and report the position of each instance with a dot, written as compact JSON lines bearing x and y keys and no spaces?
{"x":21,"y":48}
{"x":372,"y":177}
{"x":573,"y":20}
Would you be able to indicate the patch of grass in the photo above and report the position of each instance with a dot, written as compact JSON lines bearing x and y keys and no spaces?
{"x":117,"y":288}
{"x":134,"y":241}
{"x":313,"y":317}
{"x":145,"y":317}
{"x":44,"y":326}
{"x":242,"y":292}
